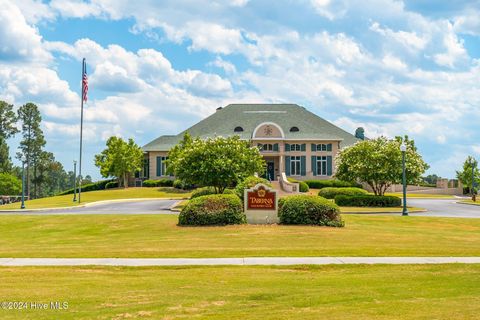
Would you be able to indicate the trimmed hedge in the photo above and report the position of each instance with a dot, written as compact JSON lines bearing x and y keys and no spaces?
{"x":100,"y":185}
{"x":309,"y":210}
{"x":331,"y":193}
{"x":202,"y":192}
{"x":158,"y":183}
{"x":301,"y":185}
{"x":229,"y":191}
{"x":179,"y":184}
{"x":111,"y":185}
{"x":368,"y":201}
{"x":215,"y":209}
{"x":319,"y":184}
{"x":248,"y":183}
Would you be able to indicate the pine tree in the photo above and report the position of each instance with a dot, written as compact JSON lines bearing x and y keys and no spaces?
{"x":8,"y":129}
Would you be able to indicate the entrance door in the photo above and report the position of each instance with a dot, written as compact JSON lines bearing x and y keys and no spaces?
{"x":270,"y":171}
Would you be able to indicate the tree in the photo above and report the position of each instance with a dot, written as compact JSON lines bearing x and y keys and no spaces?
{"x":33,"y":140}
{"x":8,"y":129}
{"x":465,"y":175}
{"x":217,"y":162}
{"x":120,"y":159}
{"x":9,"y":185}
{"x":431,"y":179}
{"x":378,"y":162}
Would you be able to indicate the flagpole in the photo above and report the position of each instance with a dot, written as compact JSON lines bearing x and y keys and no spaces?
{"x":84,"y":67}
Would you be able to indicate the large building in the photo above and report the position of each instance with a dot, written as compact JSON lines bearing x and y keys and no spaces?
{"x":291,"y":139}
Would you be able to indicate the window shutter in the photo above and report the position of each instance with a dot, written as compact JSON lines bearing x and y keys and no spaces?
{"x":329,"y":165}
{"x":314,"y":147}
{"x":314,"y":165}
{"x":303,"y":165}
{"x":303,"y":147}
{"x":159,"y":166}
{"x":287,"y":166}
{"x":287,"y":147}
{"x":329,"y":147}
{"x":275,"y":147}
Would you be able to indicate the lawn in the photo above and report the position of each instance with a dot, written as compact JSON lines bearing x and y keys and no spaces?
{"x":400,"y":195}
{"x":92,"y":196}
{"x":306,"y":292}
{"x":476,"y":203}
{"x":159,"y":236}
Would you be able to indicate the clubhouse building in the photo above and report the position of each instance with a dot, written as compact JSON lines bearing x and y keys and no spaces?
{"x":292,"y":140}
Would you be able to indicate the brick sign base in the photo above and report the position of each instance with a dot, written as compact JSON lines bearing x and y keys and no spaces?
{"x":261,"y":205}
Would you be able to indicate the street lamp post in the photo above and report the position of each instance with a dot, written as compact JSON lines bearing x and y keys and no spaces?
{"x":23,"y":182}
{"x":403,"y":148}
{"x":74,"y":180}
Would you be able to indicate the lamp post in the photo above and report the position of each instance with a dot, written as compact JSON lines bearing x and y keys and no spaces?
{"x":403,"y":148}
{"x":472,"y":191}
{"x":23,"y":159}
{"x":74,"y":180}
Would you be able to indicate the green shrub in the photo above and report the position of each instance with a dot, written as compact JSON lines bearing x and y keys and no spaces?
{"x":111,"y":185}
{"x":331,"y":193}
{"x":368,"y":201}
{"x":304,"y":209}
{"x":229,"y":191}
{"x":202,"y":192}
{"x":158,"y":183}
{"x":303,"y":186}
{"x":215,"y":209}
{"x":9,"y":185}
{"x":179,"y":184}
{"x":99,"y":185}
{"x":248,"y":183}
{"x":319,"y":184}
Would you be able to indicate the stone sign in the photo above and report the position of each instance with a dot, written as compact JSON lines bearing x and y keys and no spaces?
{"x":261,"y":205}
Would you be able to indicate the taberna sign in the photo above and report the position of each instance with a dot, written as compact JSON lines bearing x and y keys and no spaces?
{"x":261,"y":205}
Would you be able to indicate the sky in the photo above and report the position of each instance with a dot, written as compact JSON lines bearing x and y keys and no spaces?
{"x":157,"y":67}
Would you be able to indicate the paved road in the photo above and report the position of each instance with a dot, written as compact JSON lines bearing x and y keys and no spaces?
{"x":157,"y":206}
{"x":250,"y":261}
{"x":445,"y":208}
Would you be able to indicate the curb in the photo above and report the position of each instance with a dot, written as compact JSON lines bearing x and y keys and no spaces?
{"x":468,"y":203}
{"x":88,"y":204}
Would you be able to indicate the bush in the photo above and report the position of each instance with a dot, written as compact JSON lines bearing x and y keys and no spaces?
{"x":158,"y":183}
{"x":319,"y":184}
{"x":216,"y":209}
{"x":368,"y":201}
{"x":304,"y":209}
{"x":229,"y":191}
{"x":111,"y":185}
{"x":202,"y":192}
{"x":100,"y":185}
{"x":331,"y":193}
{"x":248,"y":183}
{"x":179,"y":184}
{"x":9,"y":185}
{"x":301,"y":185}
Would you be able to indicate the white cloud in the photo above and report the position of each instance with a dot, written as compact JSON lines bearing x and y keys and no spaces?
{"x":455,"y":50}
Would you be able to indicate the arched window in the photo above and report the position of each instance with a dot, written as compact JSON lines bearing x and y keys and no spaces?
{"x":238,"y":129}
{"x":294,"y":129}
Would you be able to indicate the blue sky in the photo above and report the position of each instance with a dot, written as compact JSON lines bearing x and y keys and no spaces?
{"x":157,"y":67}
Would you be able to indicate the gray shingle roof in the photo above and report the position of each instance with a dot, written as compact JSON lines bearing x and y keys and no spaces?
{"x":249,"y":116}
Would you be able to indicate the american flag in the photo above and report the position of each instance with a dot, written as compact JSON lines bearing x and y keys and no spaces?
{"x":85,"y":84}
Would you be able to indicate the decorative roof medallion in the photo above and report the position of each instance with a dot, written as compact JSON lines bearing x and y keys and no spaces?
{"x":268,"y":131}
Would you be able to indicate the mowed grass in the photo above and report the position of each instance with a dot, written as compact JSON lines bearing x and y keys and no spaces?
{"x":92,"y":196}
{"x":476,"y":203}
{"x":159,"y":236}
{"x":293,"y":292}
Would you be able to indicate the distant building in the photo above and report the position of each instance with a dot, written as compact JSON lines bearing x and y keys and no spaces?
{"x":291,"y":139}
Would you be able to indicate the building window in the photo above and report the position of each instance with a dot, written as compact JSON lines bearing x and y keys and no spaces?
{"x":161,"y":166}
{"x":294,"y":129}
{"x":238,"y":129}
{"x":321,"y":147}
{"x":295,"y":165}
{"x":322,"y":166}
{"x":295,"y":147}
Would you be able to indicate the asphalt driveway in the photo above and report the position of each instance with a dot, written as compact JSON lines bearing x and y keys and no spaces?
{"x":444,"y":208}
{"x":156,"y":206}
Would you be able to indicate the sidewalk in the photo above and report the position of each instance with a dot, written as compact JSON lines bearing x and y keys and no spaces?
{"x":252,"y":261}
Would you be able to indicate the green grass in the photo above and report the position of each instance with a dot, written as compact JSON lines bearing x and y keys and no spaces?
{"x":378,"y":209}
{"x":476,"y":203}
{"x":303,"y":292}
{"x":159,"y":236}
{"x":92,"y":196}
{"x":421,"y":195}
